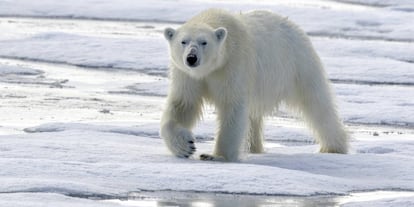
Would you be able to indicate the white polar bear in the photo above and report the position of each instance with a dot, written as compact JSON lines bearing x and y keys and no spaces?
{"x":246,"y":65}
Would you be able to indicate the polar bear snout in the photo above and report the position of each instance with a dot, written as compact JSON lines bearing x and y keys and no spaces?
{"x":193,"y":50}
{"x":192,"y":60}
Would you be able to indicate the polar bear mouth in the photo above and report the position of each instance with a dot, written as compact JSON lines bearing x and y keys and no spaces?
{"x":192,"y":60}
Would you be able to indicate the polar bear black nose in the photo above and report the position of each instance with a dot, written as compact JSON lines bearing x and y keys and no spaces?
{"x":192,"y":59}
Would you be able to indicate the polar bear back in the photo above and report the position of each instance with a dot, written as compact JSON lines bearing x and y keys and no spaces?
{"x":271,"y":52}
{"x":284,"y":54}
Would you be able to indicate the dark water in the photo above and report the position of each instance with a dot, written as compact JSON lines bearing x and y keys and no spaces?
{"x":184,"y":199}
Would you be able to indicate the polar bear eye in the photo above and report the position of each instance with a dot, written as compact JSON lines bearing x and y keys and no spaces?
{"x":204,"y":43}
{"x":183,"y":42}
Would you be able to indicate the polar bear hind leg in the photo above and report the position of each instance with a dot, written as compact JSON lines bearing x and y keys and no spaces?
{"x":313,"y":99}
{"x":255,"y":143}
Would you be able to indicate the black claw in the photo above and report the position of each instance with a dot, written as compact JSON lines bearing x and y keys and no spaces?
{"x":191,"y":142}
{"x":186,"y":156}
{"x":206,"y":157}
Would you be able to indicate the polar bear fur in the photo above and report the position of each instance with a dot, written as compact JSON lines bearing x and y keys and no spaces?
{"x":246,"y":65}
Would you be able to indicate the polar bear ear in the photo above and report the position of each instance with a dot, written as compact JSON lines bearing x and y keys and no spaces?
{"x":169,"y":33}
{"x":221,"y":33}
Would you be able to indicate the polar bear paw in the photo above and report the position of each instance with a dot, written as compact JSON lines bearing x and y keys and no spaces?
{"x":207,"y":157}
{"x":181,"y":144}
{"x":339,"y":150}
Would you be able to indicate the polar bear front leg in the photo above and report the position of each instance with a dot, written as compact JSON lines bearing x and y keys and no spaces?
{"x":176,"y":124}
{"x":182,"y":111}
{"x":233,"y":124}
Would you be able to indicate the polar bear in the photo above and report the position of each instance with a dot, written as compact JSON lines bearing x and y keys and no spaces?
{"x":246,"y":65}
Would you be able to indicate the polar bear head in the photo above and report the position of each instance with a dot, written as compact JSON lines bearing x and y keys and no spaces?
{"x":197,"y":50}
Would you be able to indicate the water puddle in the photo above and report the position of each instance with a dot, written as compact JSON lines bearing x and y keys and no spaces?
{"x":180,"y":199}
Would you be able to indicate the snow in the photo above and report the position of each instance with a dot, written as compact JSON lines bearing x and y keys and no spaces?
{"x":389,"y":199}
{"x":384,"y":202}
{"x":109,"y":160}
{"x":48,"y":199}
{"x":12,"y":70}
{"x":83,"y":83}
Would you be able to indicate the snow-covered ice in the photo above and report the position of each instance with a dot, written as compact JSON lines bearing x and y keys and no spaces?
{"x":83,"y":83}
